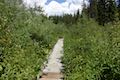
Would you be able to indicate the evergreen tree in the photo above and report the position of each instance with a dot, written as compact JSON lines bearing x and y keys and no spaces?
{"x":93,"y":9}
{"x":111,"y":10}
{"x":76,"y":16}
{"x":101,"y":7}
{"x":119,"y":9}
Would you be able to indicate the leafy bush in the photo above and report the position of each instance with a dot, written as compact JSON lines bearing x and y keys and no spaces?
{"x":25,"y":40}
{"x":92,"y":52}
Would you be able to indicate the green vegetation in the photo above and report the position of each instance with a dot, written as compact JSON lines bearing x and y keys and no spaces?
{"x":25,"y":40}
{"x":118,"y":9}
{"x":67,"y":19}
{"x":104,"y":11}
{"x":91,"y":51}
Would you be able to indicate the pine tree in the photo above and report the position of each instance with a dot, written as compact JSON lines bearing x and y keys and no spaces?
{"x":93,"y":9}
{"x":106,"y":11}
{"x":101,"y":7}
{"x":76,"y":16}
{"x":119,"y":9}
{"x":111,"y":10}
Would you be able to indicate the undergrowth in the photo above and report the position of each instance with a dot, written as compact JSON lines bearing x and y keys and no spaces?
{"x":25,"y":40}
{"x":92,"y":52}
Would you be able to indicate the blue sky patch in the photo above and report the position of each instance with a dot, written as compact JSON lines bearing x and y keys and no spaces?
{"x":59,"y":1}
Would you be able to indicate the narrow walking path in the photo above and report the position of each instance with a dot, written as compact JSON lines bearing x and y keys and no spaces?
{"x":54,"y":66}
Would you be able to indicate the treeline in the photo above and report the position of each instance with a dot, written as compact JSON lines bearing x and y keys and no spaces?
{"x":104,"y":11}
{"x":67,"y":19}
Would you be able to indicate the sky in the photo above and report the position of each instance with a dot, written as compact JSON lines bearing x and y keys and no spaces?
{"x":57,"y":7}
{"x":59,"y":1}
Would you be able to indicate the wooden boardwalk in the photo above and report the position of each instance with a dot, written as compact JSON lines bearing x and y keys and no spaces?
{"x":53,"y":68}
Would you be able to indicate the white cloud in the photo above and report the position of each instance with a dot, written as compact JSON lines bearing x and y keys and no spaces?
{"x":32,"y":3}
{"x":55,"y":8}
